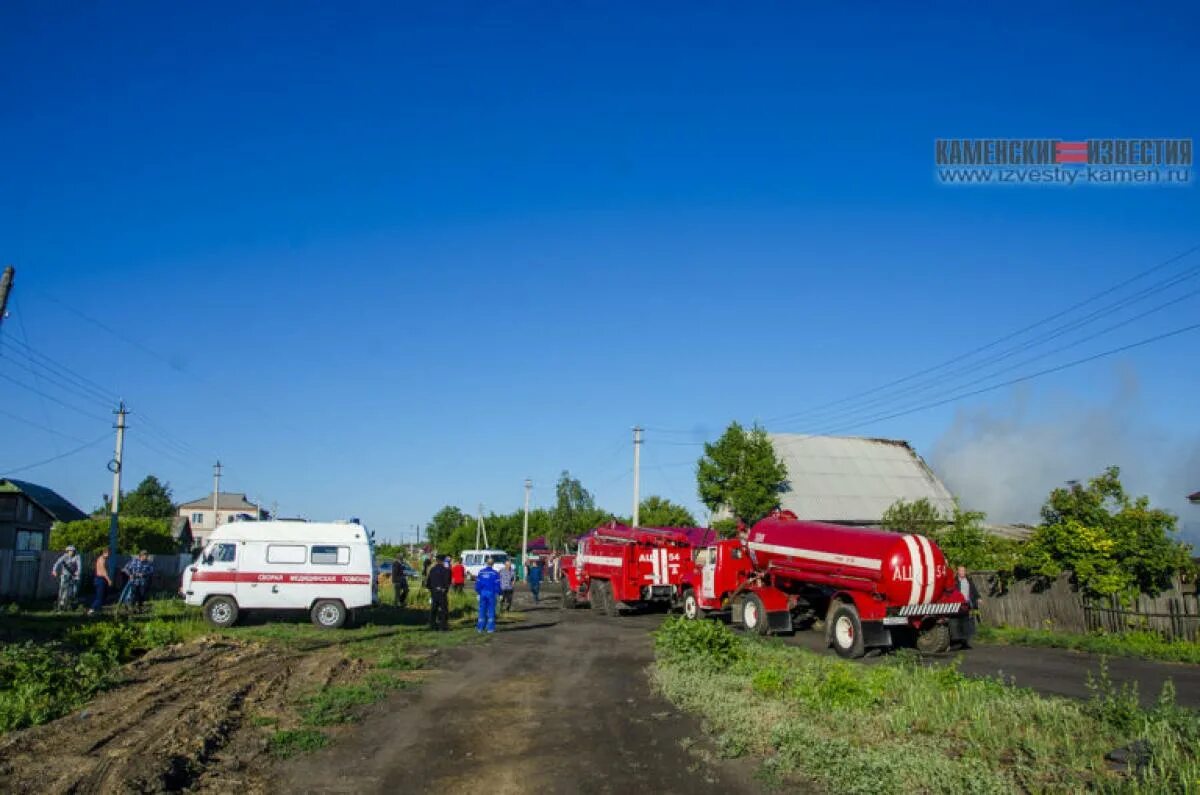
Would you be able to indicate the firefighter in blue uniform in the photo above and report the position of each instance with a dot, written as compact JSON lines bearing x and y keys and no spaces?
{"x":487,"y":585}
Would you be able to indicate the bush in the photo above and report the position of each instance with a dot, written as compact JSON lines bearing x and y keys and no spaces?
{"x":40,"y":682}
{"x":707,"y":643}
{"x":133,"y":533}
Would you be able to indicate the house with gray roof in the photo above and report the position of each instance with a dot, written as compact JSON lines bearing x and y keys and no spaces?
{"x":853,"y":480}
{"x":202,"y":519}
{"x":28,"y":511}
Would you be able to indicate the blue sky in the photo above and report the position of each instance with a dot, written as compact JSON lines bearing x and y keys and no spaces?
{"x":379,"y":258}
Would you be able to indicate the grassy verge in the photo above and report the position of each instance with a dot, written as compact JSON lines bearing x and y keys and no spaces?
{"x":1146,"y":645}
{"x":52,"y":663}
{"x":901,"y":727}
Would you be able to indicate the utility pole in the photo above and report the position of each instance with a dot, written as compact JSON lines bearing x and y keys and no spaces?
{"x":637,"y":465}
{"x":115,"y":467}
{"x":525,"y":529}
{"x":216,"y":495}
{"x":481,"y":528}
{"x":6,"y":283}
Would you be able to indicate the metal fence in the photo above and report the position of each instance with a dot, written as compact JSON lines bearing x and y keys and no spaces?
{"x":1174,"y":613}
{"x":26,"y":577}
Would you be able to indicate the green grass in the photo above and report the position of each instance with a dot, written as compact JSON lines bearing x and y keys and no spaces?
{"x":901,"y":727}
{"x":1146,"y":645}
{"x":289,"y":742}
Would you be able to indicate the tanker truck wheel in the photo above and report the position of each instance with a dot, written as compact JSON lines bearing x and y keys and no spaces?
{"x":754,"y":615}
{"x":934,"y":640}
{"x":691,"y":606}
{"x":845,"y":631}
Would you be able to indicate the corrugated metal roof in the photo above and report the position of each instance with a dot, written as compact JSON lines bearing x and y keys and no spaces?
{"x":852,"y":479}
{"x":51,"y":501}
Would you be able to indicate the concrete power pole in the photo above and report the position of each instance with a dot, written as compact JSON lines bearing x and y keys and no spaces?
{"x":216,"y":495}
{"x":115,"y":467}
{"x":525,"y":529}
{"x":6,"y":283}
{"x":637,"y":467}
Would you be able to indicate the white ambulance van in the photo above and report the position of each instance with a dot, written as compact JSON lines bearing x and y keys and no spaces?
{"x":325,"y":568}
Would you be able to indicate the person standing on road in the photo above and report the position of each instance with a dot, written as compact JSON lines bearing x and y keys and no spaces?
{"x":67,"y":569}
{"x":487,"y":586}
{"x":535,"y":580}
{"x":139,"y":570}
{"x":971,"y":594}
{"x":101,"y":582}
{"x":508,"y":580}
{"x":399,"y":582}
{"x":438,"y":583}
{"x":458,"y":575}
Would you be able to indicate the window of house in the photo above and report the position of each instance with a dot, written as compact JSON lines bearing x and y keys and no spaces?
{"x":197,"y":518}
{"x":330,"y":555}
{"x":8,"y":506}
{"x":29,"y":540}
{"x":224,"y":553}
{"x":286,"y":553}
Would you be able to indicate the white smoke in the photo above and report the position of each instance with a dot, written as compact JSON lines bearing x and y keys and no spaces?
{"x":1006,"y":460}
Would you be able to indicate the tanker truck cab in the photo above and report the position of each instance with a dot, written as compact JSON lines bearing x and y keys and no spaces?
{"x":326,"y":569}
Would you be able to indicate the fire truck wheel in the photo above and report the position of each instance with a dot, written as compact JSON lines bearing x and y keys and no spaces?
{"x":221,"y":611}
{"x":691,"y":606}
{"x":845,"y":631}
{"x":754,"y":615}
{"x":329,"y":614}
{"x":934,"y":640}
{"x":568,"y":596}
{"x":603,"y":598}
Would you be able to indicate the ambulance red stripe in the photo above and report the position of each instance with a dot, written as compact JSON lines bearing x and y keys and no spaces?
{"x":290,"y":578}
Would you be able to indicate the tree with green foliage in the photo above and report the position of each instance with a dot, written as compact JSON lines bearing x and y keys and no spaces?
{"x":133,"y":533}
{"x":660,"y":512}
{"x":443,"y":523}
{"x":574,"y":512}
{"x":919,"y":516}
{"x":151,"y":499}
{"x":741,"y":472}
{"x":1113,"y":544}
{"x":958,"y":533}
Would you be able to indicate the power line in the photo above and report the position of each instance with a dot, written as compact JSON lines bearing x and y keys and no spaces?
{"x":1011,"y":382}
{"x":79,"y":449}
{"x":847,"y":416}
{"x":39,"y":426}
{"x":987,"y":346}
{"x":36,"y":357}
{"x":52,"y":398}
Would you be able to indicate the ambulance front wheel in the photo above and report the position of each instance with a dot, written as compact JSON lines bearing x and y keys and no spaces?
{"x":221,"y":611}
{"x":329,"y":614}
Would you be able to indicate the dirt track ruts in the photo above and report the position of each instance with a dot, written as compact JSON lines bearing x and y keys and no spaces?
{"x":558,"y":704}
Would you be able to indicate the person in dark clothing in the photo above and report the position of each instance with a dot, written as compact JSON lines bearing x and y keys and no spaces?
{"x":967,"y":588}
{"x":535,"y":580}
{"x":399,"y":582}
{"x":425,"y":566}
{"x":438,"y":583}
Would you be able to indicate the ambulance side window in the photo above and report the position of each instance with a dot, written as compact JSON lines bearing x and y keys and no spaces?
{"x":224,"y":553}
{"x":285,"y":553}
{"x":330,"y":555}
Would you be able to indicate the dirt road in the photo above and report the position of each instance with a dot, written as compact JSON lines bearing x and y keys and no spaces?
{"x":549,"y":706}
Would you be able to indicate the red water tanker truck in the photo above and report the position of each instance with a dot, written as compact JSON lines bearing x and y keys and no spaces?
{"x":871,"y":588}
{"x":618,"y":566}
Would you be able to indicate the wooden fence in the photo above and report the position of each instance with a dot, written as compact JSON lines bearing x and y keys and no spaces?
{"x":25,"y":577}
{"x":1174,"y":613}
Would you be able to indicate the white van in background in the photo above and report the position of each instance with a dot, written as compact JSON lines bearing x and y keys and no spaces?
{"x":326,"y":568}
{"x":475,"y":559}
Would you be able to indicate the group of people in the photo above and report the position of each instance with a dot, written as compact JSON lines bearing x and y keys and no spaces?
{"x":494,"y":588}
{"x":68,"y":570}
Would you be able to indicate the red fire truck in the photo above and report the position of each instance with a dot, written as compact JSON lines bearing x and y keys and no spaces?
{"x":872,"y":588}
{"x":618,"y":566}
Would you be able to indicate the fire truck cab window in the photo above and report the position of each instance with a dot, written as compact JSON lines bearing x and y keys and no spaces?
{"x":737,"y":553}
